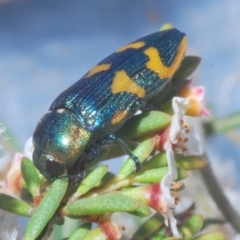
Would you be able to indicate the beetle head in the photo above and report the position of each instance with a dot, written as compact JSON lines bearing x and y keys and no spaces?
{"x":59,"y":140}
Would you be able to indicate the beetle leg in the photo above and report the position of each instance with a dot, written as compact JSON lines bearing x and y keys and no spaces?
{"x":143,"y":106}
{"x":105,"y":140}
{"x":129,"y":152}
{"x":77,"y":171}
{"x":150,"y":107}
{"x":78,"y":177}
{"x":108,"y":139}
{"x":91,"y":153}
{"x":138,"y":104}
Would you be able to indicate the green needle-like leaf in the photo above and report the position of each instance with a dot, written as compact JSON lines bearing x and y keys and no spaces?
{"x":46,"y":209}
{"x":166,"y":26}
{"x":150,"y":176}
{"x":104,"y":231}
{"x":171,"y":238}
{"x":211,"y":236}
{"x":192,"y":162}
{"x":149,"y":227}
{"x":157,"y":161}
{"x":13,"y":205}
{"x":160,"y":234}
{"x":91,"y":180}
{"x":31,"y":176}
{"x":103,"y":204}
{"x":156,"y":175}
{"x":81,"y":231}
{"x":222,"y":125}
{"x":26,"y":195}
{"x":144,"y":124}
{"x":192,"y":226}
{"x":142,"y":152}
{"x":188,"y":66}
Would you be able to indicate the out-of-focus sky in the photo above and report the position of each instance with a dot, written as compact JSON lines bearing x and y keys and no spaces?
{"x":46,"y":45}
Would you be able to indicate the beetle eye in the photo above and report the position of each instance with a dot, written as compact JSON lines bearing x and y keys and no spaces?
{"x":54,"y":169}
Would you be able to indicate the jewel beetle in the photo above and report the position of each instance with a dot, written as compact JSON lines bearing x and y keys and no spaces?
{"x":89,"y":112}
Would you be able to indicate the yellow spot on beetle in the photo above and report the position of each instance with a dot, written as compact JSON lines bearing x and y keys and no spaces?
{"x":119,"y":116}
{"x":135,"y":45}
{"x":98,"y":68}
{"x":155,"y":63}
{"x":123,"y":83}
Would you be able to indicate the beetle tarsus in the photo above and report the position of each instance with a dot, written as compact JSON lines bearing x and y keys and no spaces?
{"x":129,"y":152}
{"x":138,"y":164}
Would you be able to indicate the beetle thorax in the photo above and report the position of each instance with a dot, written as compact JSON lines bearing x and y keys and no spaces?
{"x":59,"y":137}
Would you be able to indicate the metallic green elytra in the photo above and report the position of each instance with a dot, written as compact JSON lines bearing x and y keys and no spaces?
{"x":88,"y":113}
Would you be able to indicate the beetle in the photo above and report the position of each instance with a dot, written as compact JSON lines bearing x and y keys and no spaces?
{"x":89,"y":112}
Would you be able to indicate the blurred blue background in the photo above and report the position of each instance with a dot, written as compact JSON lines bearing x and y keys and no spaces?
{"x":46,"y":45}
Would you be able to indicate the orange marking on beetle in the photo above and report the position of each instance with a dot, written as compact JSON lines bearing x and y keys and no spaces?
{"x":135,"y":45}
{"x":123,"y":83}
{"x":98,"y":68}
{"x":155,"y":62}
{"x":119,"y":116}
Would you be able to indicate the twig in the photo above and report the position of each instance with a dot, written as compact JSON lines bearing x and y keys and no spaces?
{"x":219,"y":197}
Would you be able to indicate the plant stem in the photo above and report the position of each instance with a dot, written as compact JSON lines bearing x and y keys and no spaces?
{"x":222,"y":125}
{"x":219,"y":197}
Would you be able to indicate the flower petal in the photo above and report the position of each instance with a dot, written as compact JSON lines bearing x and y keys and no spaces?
{"x":173,"y":224}
{"x":5,"y":162}
{"x":198,"y":92}
{"x":194,"y":144}
{"x":179,"y":106}
{"x":172,"y":169}
{"x":165,"y":186}
{"x":28,"y":148}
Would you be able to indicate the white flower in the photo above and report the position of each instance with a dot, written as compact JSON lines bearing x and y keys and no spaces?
{"x":5,"y":162}
{"x":28,"y":148}
{"x":12,"y":183}
{"x":3,"y":134}
{"x":10,"y":171}
{"x":195,"y":97}
{"x":182,"y":139}
{"x":166,"y":209}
